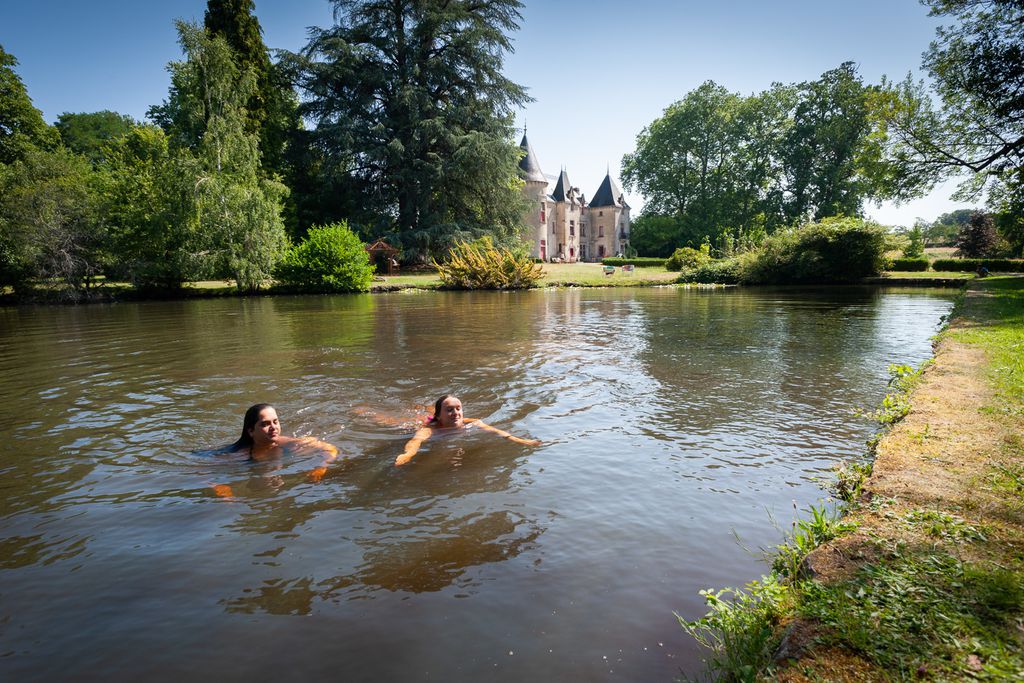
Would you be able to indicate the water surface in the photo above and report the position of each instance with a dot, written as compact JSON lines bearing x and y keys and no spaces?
{"x":674,"y":422}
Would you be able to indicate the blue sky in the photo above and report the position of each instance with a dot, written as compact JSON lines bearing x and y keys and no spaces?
{"x":599,"y":71}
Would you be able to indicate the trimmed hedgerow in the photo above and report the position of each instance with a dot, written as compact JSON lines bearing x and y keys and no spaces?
{"x":638,"y":261}
{"x":969,"y":265}
{"x":908,"y":265}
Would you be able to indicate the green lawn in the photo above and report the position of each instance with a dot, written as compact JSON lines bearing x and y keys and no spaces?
{"x":555,"y":274}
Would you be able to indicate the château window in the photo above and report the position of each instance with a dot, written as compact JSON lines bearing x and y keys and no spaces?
{"x":572,"y":227}
{"x":600,"y":231}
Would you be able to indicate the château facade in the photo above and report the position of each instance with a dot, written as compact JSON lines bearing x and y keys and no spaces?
{"x":564,"y":226}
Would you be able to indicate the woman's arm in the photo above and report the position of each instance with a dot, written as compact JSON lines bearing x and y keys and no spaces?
{"x":413,"y":445}
{"x":502,"y":433}
{"x":330,"y":452}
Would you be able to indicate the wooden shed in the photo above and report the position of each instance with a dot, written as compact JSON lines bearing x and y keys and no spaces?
{"x":382,"y":255}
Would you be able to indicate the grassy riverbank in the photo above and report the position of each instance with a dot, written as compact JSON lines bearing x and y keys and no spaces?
{"x":924,"y":578}
{"x":555,"y":275}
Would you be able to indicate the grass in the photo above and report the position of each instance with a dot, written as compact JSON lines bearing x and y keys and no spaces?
{"x":927,"y":275}
{"x":941,"y":596}
{"x":1002,"y":339}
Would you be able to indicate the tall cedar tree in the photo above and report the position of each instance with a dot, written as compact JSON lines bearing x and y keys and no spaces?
{"x":412,"y":107}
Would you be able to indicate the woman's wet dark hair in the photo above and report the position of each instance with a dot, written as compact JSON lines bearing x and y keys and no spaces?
{"x":248,"y":422}
{"x":437,"y":407}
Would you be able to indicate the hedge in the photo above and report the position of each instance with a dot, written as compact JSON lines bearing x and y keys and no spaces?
{"x":907,"y":265}
{"x":969,"y":265}
{"x":639,"y":261}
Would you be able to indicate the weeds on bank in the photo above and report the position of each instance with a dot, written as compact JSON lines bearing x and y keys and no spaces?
{"x":808,"y":534}
{"x":924,"y":614}
{"x":739,"y":628}
{"x":920,"y":612}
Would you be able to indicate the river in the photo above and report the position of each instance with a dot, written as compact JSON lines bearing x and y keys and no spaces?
{"x":682,"y":429}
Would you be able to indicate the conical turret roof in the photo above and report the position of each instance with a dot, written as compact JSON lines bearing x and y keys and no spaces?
{"x":528,"y":165}
{"x":609,"y":194}
{"x":562,"y":187}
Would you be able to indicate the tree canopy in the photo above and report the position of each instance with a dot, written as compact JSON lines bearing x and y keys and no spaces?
{"x":977,"y":68}
{"x":21,"y":125}
{"x":88,"y":133}
{"x":413,"y":111}
{"x":728,"y":167}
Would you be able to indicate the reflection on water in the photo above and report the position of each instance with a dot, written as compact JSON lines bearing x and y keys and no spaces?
{"x":671,"y":419}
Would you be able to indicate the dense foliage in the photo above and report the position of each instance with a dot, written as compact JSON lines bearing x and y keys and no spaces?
{"x":330,"y":259}
{"x":21,"y":124}
{"x":638,"y":261}
{"x":908,"y":264}
{"x":721,"y":167}
{"x":88,"y":133}
{"x":49,"y":224}
{"x":688,"y":258}
{"x":415,"y":117}
{"x":978,"y":237}
{"x":970,"y":265}
{"x":481,"y":265}
{"x":832,"y":250}
{"x":977,"y":67}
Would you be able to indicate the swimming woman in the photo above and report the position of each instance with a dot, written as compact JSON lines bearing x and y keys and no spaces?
{"x":262,"y":439}
{"x":448,"y":416}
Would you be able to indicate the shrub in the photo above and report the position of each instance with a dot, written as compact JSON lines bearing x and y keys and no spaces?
{"x":908,"y":265}
{"x":832,"y":250}
{"x":969,"y":265}
{"x":720,"y":272}
{"x":330,"y":259}
{"x":687,"y":258}
{"x":978,"y":237}
{"x":481,"y":265}
{"x":638,"y":261}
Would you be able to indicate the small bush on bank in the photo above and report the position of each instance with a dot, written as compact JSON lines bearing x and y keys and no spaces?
{"x":908,"y":265}
{"x":688,"y":258}
{"x":330,"y":259}
{"x":638,"y":261}
{"x":831,"y":250}
{"x":969,"y":265}
{"x":481,"y":265}
{"x":720,"y":272}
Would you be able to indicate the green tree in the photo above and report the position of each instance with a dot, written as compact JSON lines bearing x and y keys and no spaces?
{"x":21,"y":124}
{"x":50,"y":229}
{"x":978,"y":238}
{"x":235,"y":211}
{"x":413,"y":110}
{"x":657,"y":235}
{"x":977,"y":68}
{"x":915,"y":243}
{"x":272,"y":108}
{"x":829,"y":152}
{"x":150,"y":196}
{"x":87,"y":133}
{"x":710,"y":163}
